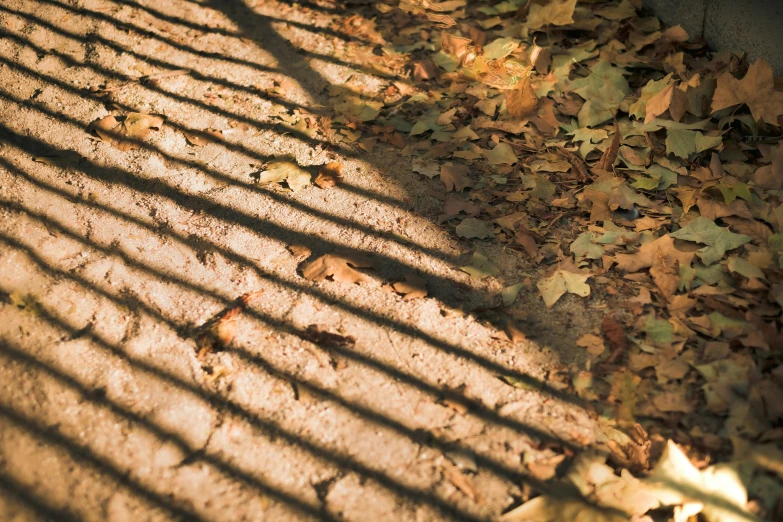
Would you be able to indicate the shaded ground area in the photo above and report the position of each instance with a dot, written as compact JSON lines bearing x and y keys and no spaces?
{"x":166,"y":357}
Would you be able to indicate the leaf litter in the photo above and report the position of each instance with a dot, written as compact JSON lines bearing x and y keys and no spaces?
{"x":636,"y":170}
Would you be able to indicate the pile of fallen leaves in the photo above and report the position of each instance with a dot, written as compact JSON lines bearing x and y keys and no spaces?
{"x":624,"y":160}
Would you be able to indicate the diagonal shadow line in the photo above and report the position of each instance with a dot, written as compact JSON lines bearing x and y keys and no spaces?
{"x":195,"y":74}
{"x":157,"y":89}
{"x":359,"y":312}
{"x":125,"y":26}
{"x":37,"y":503}
{"x":217,"y":174}
{"x":475,"y":407}
{"x":7,"y":350}
{"x":85,"y":453}
{"x":271,"y":428}
{"x":421,"y":438}
{"x":271,"y":19}
{"x":113,"y":176}
{"x":237,"y":217}
{"x":223,"y":32}
{"x":301,"y":136}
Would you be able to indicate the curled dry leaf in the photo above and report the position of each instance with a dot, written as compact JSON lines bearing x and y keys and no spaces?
{"x":202,"y":138}
{"x":300,"y":251}
{"x":63,"y":157}
{"x":285,"y":169}
{"x":521,"y":101}
{"x":462,"y":483}
{"x":319,"y":334}
{"x":338,"y":267}
{"x":218,"y":332}
{"x":127,"y":133}
{"x":610,"y":154}
{"x":329,"y":175}
{"x":413,"y":287}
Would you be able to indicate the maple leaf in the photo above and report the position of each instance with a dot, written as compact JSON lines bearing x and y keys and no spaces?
{"x":338,"y":267}
{"x":554,"y":12}
{"x":603,"y":89}
{"x":285,"y":169}
{"x":480,"y":267}
{"x":472,"y":227}
{"x":718,"y":239}
{"x":503,"y":153}
{"x":718,"y":489}
{"x":125,"y":135}
{"x":756,"y":90}
{"x":561,"y":281}
{"x":455,"y":177}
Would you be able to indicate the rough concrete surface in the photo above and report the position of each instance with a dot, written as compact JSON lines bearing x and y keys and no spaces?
{"x":109,"y":267}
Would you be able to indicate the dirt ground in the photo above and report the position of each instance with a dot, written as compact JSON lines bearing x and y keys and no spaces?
{"x":109,"y":410}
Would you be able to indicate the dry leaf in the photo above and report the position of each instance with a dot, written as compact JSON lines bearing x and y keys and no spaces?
{"x":462,"y":483}
{"x":521,"y":102}
{"x":413,"y":287}
{"x":125,"y":135}
{"x":756,"y":90}
{"x":455,"y":177}
{"x":329,"y":175}
{"x":200,"y":139}
{"x":338,"y":267}
{"x":64,"y":157}
{"x":610,"y":154}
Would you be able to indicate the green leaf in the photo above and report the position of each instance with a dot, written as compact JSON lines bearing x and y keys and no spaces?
{"x":603,"y":90}
{"x":510,"y":294}
{"x":659,"y":331}
{"x":480,"y":267}
{"x":472,"y":227}
{"x":683,"y":142}
{"x":740,"y":266}
{"x":719,"y":239}
{"x":584,"y":248}
{"x":500,"y":48}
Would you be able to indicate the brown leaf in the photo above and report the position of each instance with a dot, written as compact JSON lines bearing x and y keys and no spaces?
{"x":614,"y":333}
{"x":610,"y":154}
{"x":125,"y":135}
{"x":678,"y":105}
{"x":319,"y":334}
{"x":63,"y":157}
{"x":663,"y":247}
{"x":462,"y":483}
{"x":455,"y":177}
{"x":338,"y":267}
{"x":300,"y":251}
{"x":455,"y":45}
{"x":414,"y":286}
{"x":770,"y":177}
{"x":424,"y":70}
{"x":756,"y":90}
{"x":218,"y":332}
{"x":659,"y":103}
{"x":521,"y":102}
{"x":329,"y":174}
{"x":201,"y":138}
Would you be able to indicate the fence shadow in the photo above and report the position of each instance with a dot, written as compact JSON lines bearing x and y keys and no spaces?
{"x":113,"y":268}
